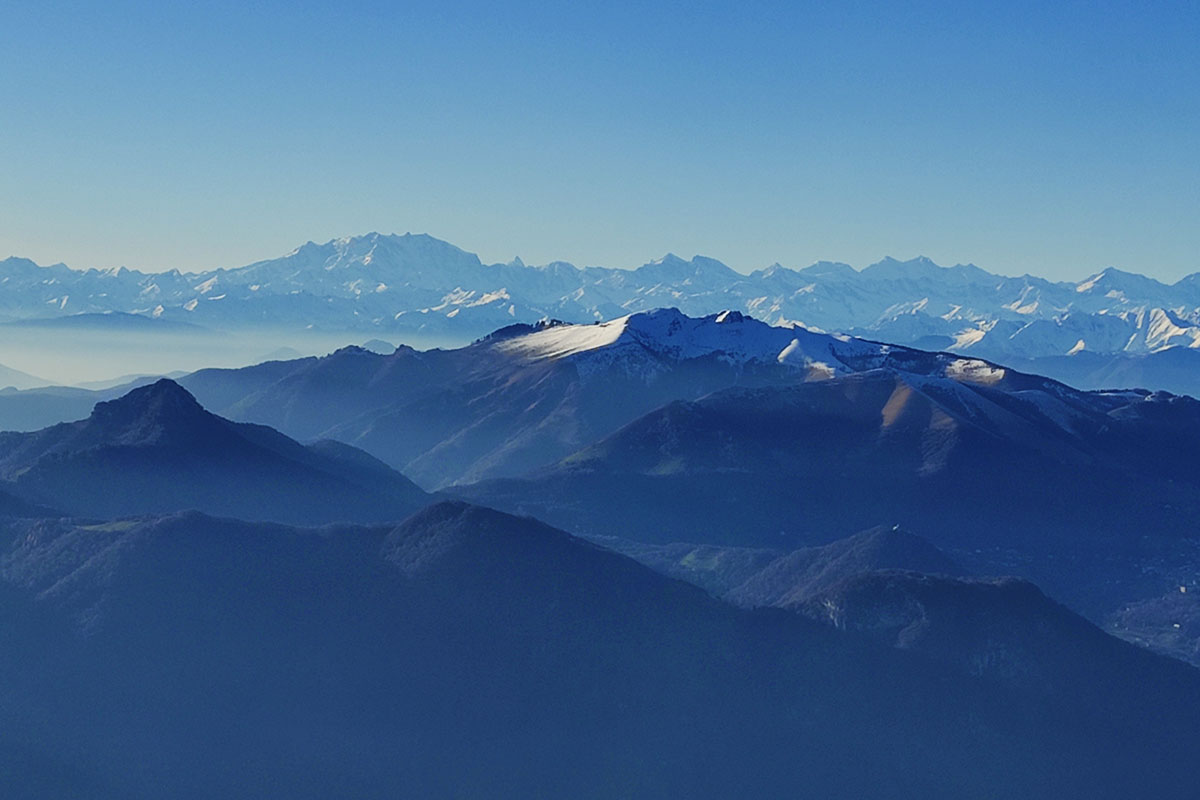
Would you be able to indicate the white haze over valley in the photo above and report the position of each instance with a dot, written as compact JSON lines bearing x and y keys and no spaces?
{"x":69,"y":358}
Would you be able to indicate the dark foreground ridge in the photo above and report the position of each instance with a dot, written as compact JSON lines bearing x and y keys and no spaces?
{"x":467,"y":652}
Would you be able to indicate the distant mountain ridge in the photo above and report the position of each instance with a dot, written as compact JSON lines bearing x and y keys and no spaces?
{"x":522,"y":397}
{"x":529,"y":395}
{"x":416,"y":283}
{"x":1007,"y":471}
{"x":526,"y":395}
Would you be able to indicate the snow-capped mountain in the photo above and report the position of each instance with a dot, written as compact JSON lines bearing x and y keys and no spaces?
{"x":525,"y":395}
{"x":648,"y":338}
{"x":416,"y":283}
{"x":530,"y":394}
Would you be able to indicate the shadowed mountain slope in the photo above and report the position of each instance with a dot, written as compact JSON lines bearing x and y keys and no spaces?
{"x":523,"y":397}
{"x":466,"y":652}
{"x":157,"y":450}
{"x":808,"y":572}
{"x":527,"y":396}
{"x":752,"y":577}
{"x":1012,"y":479}
{"x":1004,"y":629}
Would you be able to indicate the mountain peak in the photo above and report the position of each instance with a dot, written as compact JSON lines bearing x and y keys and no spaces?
{"x":452,"y":531}
{"x":1113,"y":279}
{"x":163,"y":403}
{"x":665,"y":332}
{"x":893,"y":268}
{"x":671,"y":267}
{"x":794,"y":579}
{"x":899,"y":548}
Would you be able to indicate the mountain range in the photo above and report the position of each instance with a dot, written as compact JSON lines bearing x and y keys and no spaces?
{"x":208,"y":588}
{"x":1007,"y":471}
{"x":418,"y":284}
{"x":900,"y":590}
{"x":464,"y":652}
{"x":690,"y":414}
{"x":523,"y":397}
{"x":726,"y":432}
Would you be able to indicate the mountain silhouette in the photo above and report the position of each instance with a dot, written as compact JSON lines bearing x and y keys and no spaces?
{"x":469,"y":652}
{"x":157,"y":450}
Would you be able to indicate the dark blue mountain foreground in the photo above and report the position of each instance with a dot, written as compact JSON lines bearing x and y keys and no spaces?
{"x":1008,"y":478}
{"x":838,"y":504}
{"x":466,"y":652}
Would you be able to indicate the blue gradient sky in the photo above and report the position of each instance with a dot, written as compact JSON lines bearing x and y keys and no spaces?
{"x":1054,"y":138}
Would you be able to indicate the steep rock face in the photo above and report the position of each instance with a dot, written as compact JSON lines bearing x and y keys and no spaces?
{"x":157,"y":450}
{"x":466,"y":651}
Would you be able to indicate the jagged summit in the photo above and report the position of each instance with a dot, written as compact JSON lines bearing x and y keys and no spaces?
{"x":671,"y":266}
{"x":164,"y":397}
{"x":156,"y":413}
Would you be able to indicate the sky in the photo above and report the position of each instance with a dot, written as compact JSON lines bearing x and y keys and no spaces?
{"x":1049,"y":138}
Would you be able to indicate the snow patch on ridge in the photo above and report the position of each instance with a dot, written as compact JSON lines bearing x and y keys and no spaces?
{"x":644,"y":340}
{"x":970,"y":370}
{"x":561,"y":341}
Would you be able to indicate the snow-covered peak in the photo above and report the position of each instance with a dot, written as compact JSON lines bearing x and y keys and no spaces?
{"x":1118,"y":284}
{"x":667,"y":333}
{"x":560,"y":341}
{"x":664,"y":331}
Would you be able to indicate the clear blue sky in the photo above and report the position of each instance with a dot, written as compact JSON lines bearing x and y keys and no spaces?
{"x":1055,"y":138}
